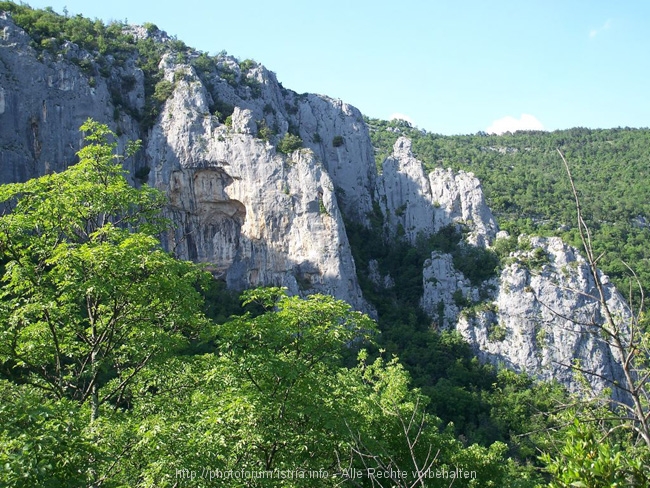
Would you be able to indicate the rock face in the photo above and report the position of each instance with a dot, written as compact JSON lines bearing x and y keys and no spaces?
{"x":536,"y":322}
{"x":414,"y":203}
{"x":530,"y":317}
{"x":445,"y":289}
{"x":337,"y":134}
{"x":257,"y":216}
{"x":43,"y":101}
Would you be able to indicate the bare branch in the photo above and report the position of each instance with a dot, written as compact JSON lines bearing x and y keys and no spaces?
{"x":623,"y":337}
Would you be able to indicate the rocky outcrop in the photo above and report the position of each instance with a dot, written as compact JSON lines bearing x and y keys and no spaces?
{"x":415,"y":203}
{"x":44,"y":98}
{"x":460,"y":197}
{"x":337,"y":134}
{"x":332,"y":129}
{"x":256,"y":216}
{"x":531,"y":317}
{"x":446,"y":290}
{"x":539,"y":321}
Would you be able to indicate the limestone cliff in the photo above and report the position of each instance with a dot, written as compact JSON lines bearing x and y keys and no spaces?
{"x":256,"y":216}
{"x":414,"y":203}
{"x":539,"y":320}
{"x":530,"y":317}
{"x":44,"y":98}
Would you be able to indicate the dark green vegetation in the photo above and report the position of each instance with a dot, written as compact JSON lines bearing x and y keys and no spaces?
{"x":289,"y":143}
{"x":527,"y":188}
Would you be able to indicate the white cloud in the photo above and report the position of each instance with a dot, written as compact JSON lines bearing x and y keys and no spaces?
{"x":594,"y":32}
{"x":400,"y":116}
{"x":510,"y":124}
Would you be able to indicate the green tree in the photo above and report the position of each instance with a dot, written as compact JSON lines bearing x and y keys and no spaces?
{"x":286,"y":362}
{"x":42,"y":441}
{"x":85,"y":278}
{"x":275,"y":395}
{"x":592,"y":452}
{"x":269,"y":397}
{"x":89,"y":298}
{"x":391,"y":432}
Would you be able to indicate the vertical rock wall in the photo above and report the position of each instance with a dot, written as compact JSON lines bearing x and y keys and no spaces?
{"x":256,"y":216}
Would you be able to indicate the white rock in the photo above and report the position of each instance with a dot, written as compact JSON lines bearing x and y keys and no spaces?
{"x":257,"y":217}
{"x":421,"y":204}
{"x":541,"y":311}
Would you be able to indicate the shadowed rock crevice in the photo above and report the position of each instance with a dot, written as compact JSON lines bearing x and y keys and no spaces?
{"x":203,"y":193}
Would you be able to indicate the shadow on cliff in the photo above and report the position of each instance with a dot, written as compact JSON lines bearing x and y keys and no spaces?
{"x":210,"y":232}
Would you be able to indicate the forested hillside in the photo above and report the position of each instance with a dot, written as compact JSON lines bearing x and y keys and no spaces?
{"x":527,"y":188}
{"x":123,"y":365}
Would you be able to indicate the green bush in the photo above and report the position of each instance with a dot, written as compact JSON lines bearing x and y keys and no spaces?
{"x":539,"y":258}
{"x":254,"y":85}
{"x":128,"y":83}
{"x":338,"y":141}
{"x":264,"y":132}
{"x":497,"y":333}
{"x":229,"y":75}
{"x":203,"y":64}
{"x":221,"y":109}
{"x":151,"y":28}
{"x":504,"y":246}
{"x":246,"y":65}
{"x":163,"y":91}
{"x":291,"y":109}
{"x":476,"y":263}
{"x":289,"y":143}
{"x":180,"y":75}
{"x":268,"y":109}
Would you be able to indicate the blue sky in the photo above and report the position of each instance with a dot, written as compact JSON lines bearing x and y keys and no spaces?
{"x":451,"y":67}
